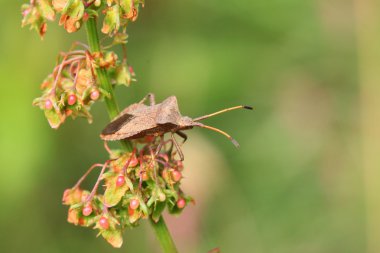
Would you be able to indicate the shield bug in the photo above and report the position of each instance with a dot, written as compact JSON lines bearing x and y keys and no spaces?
{"x":139,"y":120}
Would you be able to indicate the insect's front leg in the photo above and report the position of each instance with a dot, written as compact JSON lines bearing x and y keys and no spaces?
{"x":151,"y":97}
{"x":177,"y":147}
{"x":182,"y":135}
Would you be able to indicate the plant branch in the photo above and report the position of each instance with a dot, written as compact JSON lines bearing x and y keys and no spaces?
{"x":112,"y":107}
{"x":163,"y":235}
{"x":160,"y":228}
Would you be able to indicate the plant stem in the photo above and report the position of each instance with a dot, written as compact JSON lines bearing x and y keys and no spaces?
{"x":93,"y":40}
{"x":162,"y":232}
{"x":163,"y":235}
{"x":112,"y":107}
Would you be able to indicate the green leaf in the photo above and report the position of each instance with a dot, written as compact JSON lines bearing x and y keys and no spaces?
{"x":113,"y":193}
{"x":55,"y":118}
{"x":143,"y":206}
{"x":125,"y":6}
{"x":111,"y":23}
{"x":67,"y":6}
{"x":73,"y":216}
{"x":122,"y":75}
{"x":72,"y":13}
{"x":157,"y":211}
{"x":113,"y":237}
{"x":73,"y":196}
{"x":46,"y":9}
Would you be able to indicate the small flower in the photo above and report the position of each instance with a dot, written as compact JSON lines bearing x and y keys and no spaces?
{"x":137,"y":186}
{"x":87,"y":210}
{"x":103,"y":223}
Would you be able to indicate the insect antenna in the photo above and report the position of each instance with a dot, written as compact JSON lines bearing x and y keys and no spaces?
{"x":223,"y":111}
{"x":221,"y":132}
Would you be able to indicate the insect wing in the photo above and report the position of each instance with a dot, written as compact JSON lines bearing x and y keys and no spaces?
{"x":127,"y":126}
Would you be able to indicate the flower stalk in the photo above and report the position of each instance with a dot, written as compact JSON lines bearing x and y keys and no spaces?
{"x":160,"y":228}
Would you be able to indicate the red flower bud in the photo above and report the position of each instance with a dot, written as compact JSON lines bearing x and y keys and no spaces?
{"x":72,"y":99}
{"x":95,"y":95}
{"x":134,"y":204}
{"x":87,"y":210}
{"x":181,"y":203}
{"x":103,"y":222}
{"x":120,"y":181}
{"x":176,"y":175}
{"x":48,"y":104}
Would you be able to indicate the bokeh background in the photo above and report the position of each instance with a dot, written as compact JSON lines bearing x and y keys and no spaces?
{"x":305,"y":178}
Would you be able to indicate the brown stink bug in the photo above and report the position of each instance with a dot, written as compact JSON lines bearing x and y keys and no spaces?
{"x":139,"y":120}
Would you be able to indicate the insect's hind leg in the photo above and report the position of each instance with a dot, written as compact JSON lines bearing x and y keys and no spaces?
{"x":151,"y":97}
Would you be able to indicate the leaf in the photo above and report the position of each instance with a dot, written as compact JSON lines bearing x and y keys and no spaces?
{"x":111,"y":23}
{"x":126,"y":6}
{"x":73,"y":216}
{"x":72,"y":13}
{"x":55,"y":118}
{"x":122,"y":75}
{"x":72,"y":196}
{"x":143,"y":206}
{"x":113,"y":237}
{"x":121,"y":161}
{"x":59,"y":5}
{"x":113,"y":193}
{"x":46,"y":9}
{"x":32,"y":17}
{"x":157,"y":211}
{"x":87,"y":221}
{"x":84,"y":80}
{"x":134,"y":216}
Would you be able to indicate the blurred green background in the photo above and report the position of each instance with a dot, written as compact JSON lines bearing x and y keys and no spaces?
{"x":295,"y":185}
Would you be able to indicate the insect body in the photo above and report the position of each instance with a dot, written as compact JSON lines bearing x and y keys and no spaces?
{"x":139,"y":120}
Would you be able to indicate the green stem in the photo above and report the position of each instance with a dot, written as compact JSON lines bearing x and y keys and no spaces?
{"x":112,"y":107}
{"x":162,"y":232}
{"x":163,"y":235}
{"x":93,"y":40}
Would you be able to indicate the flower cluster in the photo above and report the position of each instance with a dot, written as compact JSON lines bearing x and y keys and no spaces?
{"x":73,"y":87}
{"x":137,"y":185}
{"x":75,"y":12}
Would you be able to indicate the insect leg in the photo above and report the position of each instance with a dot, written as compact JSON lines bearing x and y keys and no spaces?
{"x":151,"y":99}
{"x":178,"y":147}
{"x":153,"y":159}
{"x":183,"y":135}
{"x":107,"y":148}
{"x":159,"y":147}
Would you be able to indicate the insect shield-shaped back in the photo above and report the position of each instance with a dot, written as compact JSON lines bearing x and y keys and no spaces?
{"x":139,"y":120}
{"x":168,"y":112}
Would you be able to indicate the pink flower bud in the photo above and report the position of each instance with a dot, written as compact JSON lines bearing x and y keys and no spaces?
{"x":103,"y":222}
{"x":87,"y":210}
{"x":120,"y":181}
{"x":48,"y":104}
{"x":134,"y":204}
{"x":181,"y":203}
{"x":95,"y":95}
{"x":72,"y":99}
{"x":176,"y":175}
